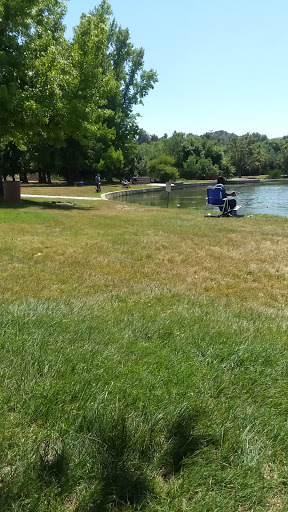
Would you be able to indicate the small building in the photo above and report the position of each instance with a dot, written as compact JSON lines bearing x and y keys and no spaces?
{"x":141,"y":180}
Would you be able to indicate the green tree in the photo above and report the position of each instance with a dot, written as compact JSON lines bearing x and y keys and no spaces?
{"x":192,"y":145}
{"x":134,"y":82}
{"x":174,"y":147}
{"x":145,"y":153}
{"x":206,"y":169}
{"x":31,"y":70}
{"x":111,"y":80}
{"x":215,"y":152}
{"x":163,"y":168}
{"x":246,"y":155}
{"x":283,"y":155}
{"x":190,"y":171}
{"x":90,"y":87}
{"x":111,"y":164}
{"x":78,"y":94}
{"x":271,"y":150}
{"x":11,"y":160}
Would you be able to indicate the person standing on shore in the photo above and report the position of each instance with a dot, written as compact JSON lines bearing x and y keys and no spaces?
{"x":98,"y":183}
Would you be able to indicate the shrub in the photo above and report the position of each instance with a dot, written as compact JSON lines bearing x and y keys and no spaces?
{"x":168,"y":173}
{"x":199,"y":168}
{"x":274,"y":174}
{"x":163,"y":168}
{"x":206,"y":169}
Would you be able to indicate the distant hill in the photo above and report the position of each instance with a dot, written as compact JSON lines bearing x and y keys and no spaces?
{"x":222,"y":136}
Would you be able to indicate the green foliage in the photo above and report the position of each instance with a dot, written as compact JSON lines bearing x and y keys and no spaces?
{"x":32,"y":75}
{"x":283,"y":155}
{"x":147,"y":152}
{"x":167,"y":173}
{"x":174,"y":147}
{"x":199,"y":168}
{"x":112,"y":163}
{"x":162,"y":168}
{"x":11,"y":160}
{"x":246,"y":155}
{"x":206,"y":169}
{"x":186,"y":151}
{"x":53,"y":91}
{"x":214,"y":152}
{"x":274,"y":174}
{"x":190,"y":171}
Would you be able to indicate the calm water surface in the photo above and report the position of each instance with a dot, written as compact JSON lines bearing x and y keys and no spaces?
{"x":259,"y":198}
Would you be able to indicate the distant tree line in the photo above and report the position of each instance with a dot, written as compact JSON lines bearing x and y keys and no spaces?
{"x":66,"y":107}
{"x":191,"y":157}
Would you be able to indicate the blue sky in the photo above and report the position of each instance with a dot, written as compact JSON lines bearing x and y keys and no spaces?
{"x":222,"y":65}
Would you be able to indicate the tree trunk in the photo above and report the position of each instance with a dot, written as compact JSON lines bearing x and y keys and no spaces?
{"x":42,"y":177}
{"x":24,"y":177}
{"x":109,"y":176}
{"x":1,"y":187}
{"x":70,"y":177}
{"x":48,"y":175}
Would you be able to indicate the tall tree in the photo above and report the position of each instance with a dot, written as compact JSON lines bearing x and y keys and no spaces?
{"x":31,"y":38}
{"x":54,"y":92}
{"x":246,"y":154}
{"x":134,"y":82}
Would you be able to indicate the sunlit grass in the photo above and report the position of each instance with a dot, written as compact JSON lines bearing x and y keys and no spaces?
{"x":143,"y":360}
{"x":84,"y":191}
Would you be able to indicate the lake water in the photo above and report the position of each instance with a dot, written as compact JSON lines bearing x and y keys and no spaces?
{"x":259,"y":198}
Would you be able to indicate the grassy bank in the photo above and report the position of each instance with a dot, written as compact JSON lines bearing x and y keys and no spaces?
{"x":143,"y":360}
{"x":61,"y":189}
{"x":65,"y":190}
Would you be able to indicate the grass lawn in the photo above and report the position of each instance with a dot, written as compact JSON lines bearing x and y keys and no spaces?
{"x":64,"y":190}
{"x":144,"y":360}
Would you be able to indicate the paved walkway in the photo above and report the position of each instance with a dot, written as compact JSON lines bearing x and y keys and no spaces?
{"x":63,"y":197}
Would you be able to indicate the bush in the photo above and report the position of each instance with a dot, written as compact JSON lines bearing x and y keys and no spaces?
{"x":274,"y":174}
{"x":199,"y":168}
{"x":168,"y":173}
{"x":206,"y":169}
{"x":163,"y":168}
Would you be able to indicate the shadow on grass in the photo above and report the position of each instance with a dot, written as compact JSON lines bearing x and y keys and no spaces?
{"x":182,"y":443}
{"x":52,"y":462}
{"x":43,"y":472}
{"x":110,"y":463}
{"x":119,"y":470}
{"x":122,"y":485}
{"x":46,"y":205}
{"x":44,"y":185}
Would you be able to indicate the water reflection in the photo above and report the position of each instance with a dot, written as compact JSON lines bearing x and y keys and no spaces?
{"x":259,"y":198}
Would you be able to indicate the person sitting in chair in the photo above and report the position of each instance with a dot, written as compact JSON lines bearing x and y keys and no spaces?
{"x":231,"y":203}
{"x":125,"y":183}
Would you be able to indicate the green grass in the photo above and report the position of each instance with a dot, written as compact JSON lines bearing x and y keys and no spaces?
{"x":64,"y":190}
{"x":143,"y":360}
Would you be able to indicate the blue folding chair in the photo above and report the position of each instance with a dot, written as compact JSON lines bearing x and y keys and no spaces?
{"x":214,"y":198}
